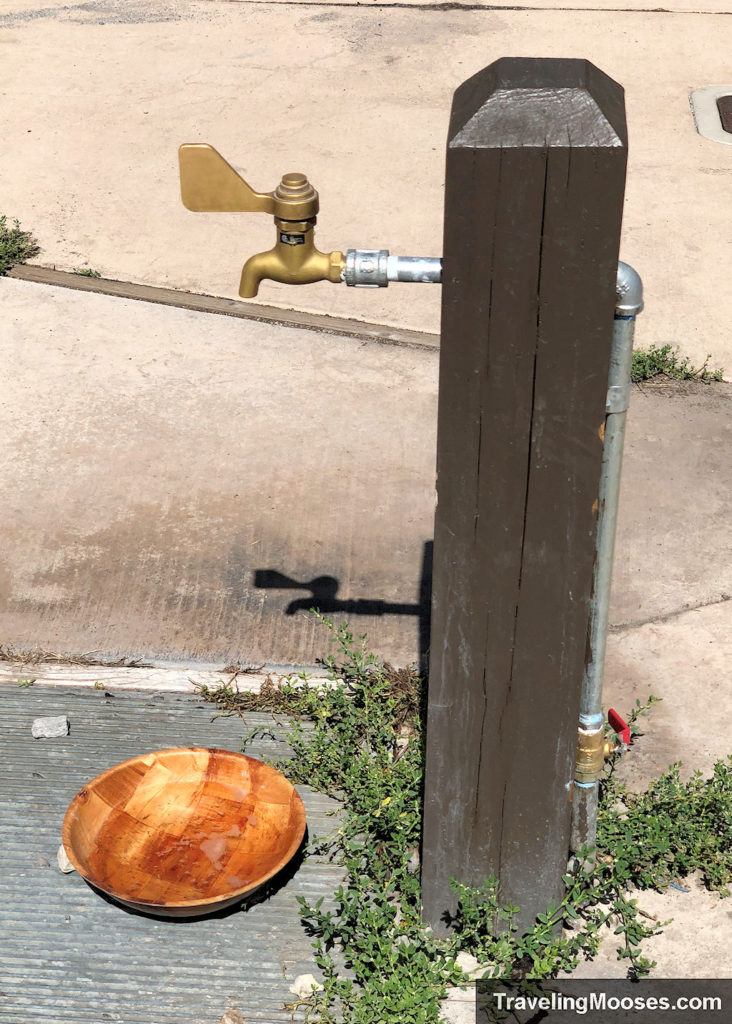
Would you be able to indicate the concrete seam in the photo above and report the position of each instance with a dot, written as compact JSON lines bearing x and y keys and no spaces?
{"x":491,"y":8}
{"x":623,"y":627}
{"x":382,"y":334}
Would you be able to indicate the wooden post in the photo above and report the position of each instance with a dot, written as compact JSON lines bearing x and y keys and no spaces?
{"x":534,"y":194}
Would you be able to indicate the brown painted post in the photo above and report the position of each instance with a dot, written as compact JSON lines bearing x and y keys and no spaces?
{"x":534,"y":194}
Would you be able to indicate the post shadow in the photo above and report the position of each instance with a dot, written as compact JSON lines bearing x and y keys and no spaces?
{"x":323,"y":597}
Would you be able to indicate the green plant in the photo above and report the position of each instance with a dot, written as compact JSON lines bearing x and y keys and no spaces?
{"x":665,"y":361}
{"x":361,"y":740}
{"x":26,"y":682}
{"x":671,"y":830}
{"x":16,"y":245}
{"x":86,"y":272}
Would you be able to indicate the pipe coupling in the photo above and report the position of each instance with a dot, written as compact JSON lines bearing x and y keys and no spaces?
{"x":374,"y":268}
{"x":366,"y":268}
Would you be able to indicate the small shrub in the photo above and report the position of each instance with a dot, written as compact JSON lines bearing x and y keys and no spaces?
{"x":16,"y":245}
{"x":665,"y":362}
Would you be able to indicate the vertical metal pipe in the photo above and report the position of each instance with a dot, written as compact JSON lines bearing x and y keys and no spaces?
{"x":629,"y":302}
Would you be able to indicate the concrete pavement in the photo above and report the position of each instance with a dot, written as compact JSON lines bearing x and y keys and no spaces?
{"x":163,"y":468}
{"x":181,"y":487}
{"x":358,"y":96}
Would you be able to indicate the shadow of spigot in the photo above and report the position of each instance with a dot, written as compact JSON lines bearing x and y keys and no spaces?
{"x":323,"y":591}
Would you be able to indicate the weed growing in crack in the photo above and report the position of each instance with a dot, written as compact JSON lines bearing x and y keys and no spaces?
{"x":364,"y":744}
{"x":16,"y":245}
{"x":665,"y":362}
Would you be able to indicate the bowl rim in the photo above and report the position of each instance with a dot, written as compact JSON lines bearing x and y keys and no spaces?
{"x":209,"y":901}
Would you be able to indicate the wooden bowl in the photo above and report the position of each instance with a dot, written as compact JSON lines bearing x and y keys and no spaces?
{"x":183,"y":832}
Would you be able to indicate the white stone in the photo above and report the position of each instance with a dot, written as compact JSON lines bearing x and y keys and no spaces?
{"x":413,"y":862}
{"x":470,"y":965}
{"x":48,"y":728}
{"x":467,"y":962}
{"x":304,"y":985}
{"x":64,"y":863}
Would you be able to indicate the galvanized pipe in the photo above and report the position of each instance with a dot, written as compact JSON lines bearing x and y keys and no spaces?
{"x":629,"y":302}
{"x":374,"y":268}
{"x":422,"y":269}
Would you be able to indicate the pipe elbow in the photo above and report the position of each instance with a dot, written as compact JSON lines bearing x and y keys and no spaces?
{"x":628,"y":292}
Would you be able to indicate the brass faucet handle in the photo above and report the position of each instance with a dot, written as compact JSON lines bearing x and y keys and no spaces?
{"x":208,"y":184}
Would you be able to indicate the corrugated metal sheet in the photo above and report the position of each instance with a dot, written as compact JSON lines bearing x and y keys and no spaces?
{"x":69,"y":955}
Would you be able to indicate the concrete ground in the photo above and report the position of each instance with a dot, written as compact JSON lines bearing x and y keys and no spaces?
{"x":359,"y":99}
{"x":180,"y":487}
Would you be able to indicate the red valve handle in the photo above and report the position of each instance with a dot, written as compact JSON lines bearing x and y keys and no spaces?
{"x":621,"y":728}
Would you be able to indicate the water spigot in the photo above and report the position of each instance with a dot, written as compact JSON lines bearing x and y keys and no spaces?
{"x":209,"y":184}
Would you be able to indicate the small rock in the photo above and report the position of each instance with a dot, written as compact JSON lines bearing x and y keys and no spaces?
{"x":304,"y":985}
{"x":232,"y":1016}
{"x":48,"y":728}
{"x":470,"y":965}
{"x":64,"y":863}
{"x":42,"y":862}
{"x":467,"y":962}
{"x":413,"y":862}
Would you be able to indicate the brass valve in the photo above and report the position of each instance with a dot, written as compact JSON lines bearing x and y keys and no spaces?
{"x":208,"y":184}
{"x":593,"y":749}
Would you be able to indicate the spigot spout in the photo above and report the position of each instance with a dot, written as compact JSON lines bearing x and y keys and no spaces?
{"x":253,"y":273}
{"x":292,"y":260}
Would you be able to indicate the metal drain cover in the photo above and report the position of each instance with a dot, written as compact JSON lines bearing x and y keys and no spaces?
{"x":712,"y":109}
{"x":724,"y":106}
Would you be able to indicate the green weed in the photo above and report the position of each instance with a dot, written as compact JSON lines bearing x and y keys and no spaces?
{"x":16,"y":245}
{"x":361,"y":741}
{"x":665,"y":362}
{"x":671,"y":830}
{"x":86,"y":272}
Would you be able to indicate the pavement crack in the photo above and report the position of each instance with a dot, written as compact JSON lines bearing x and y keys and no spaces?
{"x":621,"y":627}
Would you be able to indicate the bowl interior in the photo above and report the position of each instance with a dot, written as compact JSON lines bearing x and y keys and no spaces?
{"x":184,"y":827}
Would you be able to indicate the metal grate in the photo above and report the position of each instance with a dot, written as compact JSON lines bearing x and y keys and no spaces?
{"x":724,"y":106}
{"x":69,"y":955}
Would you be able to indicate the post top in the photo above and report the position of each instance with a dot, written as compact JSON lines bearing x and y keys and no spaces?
{"x":538,"y":101}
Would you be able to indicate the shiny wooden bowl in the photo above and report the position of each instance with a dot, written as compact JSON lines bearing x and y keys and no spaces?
{"x":183,"y":832}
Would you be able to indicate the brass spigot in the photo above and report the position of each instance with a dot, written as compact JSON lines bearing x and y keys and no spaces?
{"x":209,"y":184}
